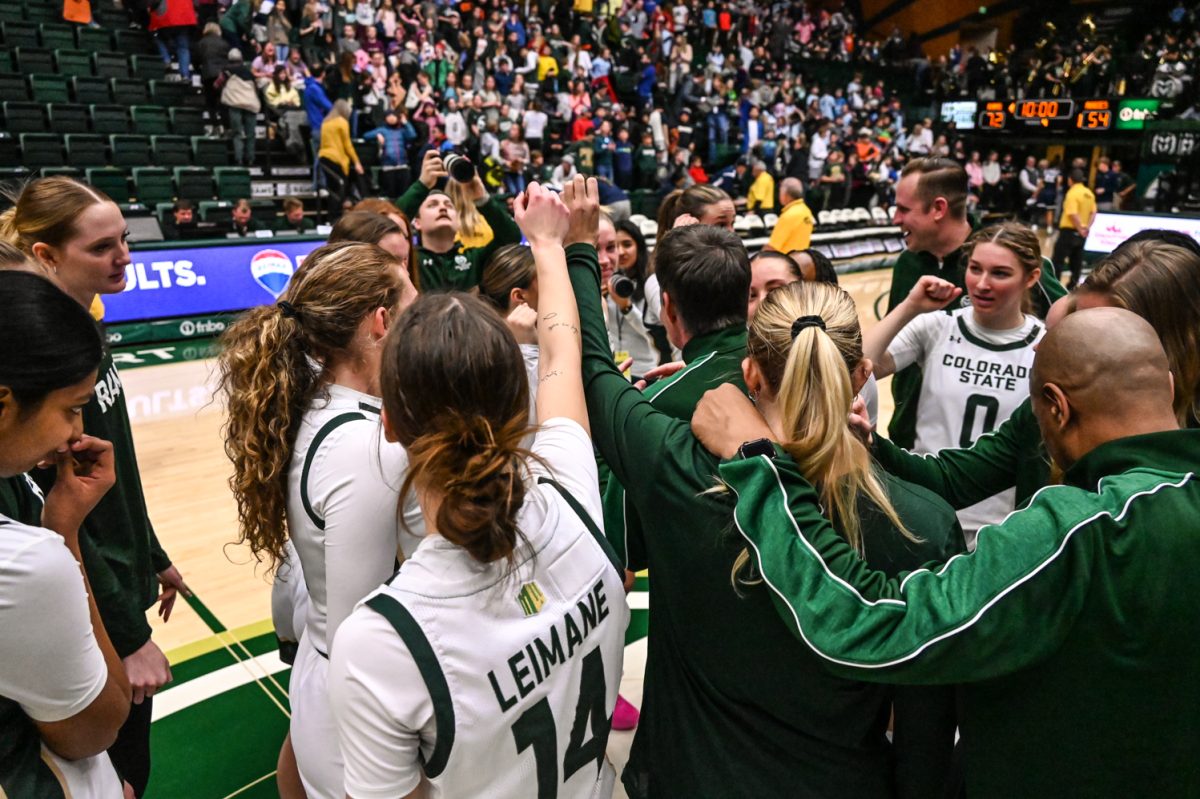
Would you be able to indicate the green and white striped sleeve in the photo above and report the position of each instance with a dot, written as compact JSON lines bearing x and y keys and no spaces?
{"x":977,"y":616}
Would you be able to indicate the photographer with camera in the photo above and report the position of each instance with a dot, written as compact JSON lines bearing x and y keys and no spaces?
{"x":623,"y":267}
{"x":442,"y":261}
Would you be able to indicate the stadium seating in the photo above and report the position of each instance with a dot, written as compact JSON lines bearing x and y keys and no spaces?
{"x":57,"y":36}
{"x":73,"y":62}
{"x":89,"y":90}
{"x":150,"y":120}
{"x":13,"y":87}
{"x":233,"y":182}
{"x":148,"y":67}
{"x":33,"y":59}
{"x":67,"y":117}
{"x":109,"y":118}
{"x":86,"y":149}
{"x":171,"y":151}
{"x":129,"y":91}
{"x":49,"y":89}
{"x":210,"y":152}
{"x":110,"y":65}
{"x":20,"y":34}
{"x":153,"y":185}
{"x":186,"y":121}
{"x":24,"y":117}
{"x":130,"y":150}
{"x":41,"y":149}
{"x":193,"y":183}
{"x":111,"y":181}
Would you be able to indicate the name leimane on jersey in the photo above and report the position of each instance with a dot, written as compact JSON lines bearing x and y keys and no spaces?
{"x":538,"y":658}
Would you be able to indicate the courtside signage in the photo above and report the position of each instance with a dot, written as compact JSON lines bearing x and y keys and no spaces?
{"x":189,"y":281}
{"x":1109,"y":229}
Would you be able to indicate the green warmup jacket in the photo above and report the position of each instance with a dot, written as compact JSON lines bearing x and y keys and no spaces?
{"x":712,"y":359}
{"x":121,"y":553}
{"x":458,"y":269}
{"x":734,"y":706}
{"x":1011,"y":455}
{"x":1074,"y":623}
{"x":21,"y":500}
{"x":911,"y":267}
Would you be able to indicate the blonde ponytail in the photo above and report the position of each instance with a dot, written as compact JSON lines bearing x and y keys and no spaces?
{"x":806,"y":339}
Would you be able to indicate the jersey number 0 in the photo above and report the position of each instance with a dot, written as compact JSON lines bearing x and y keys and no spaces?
{"x":536,"y":728}
{"x":991,"y":409}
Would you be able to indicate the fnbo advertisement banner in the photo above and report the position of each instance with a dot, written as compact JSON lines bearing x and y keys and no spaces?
{"x":205,"y":280}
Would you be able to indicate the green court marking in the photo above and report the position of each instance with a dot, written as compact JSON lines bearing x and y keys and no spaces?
{"x":206,"y":615}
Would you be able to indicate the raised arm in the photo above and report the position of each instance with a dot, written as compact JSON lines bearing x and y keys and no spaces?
{"x":544,"y":220}
{"x":929,"y":294}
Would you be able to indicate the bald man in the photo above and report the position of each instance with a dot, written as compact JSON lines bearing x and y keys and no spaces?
{"x":1074,"y":624}
{"x":794,"y":229}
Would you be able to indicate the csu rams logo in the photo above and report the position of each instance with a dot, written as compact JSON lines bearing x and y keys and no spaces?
{"x":271,"y":270}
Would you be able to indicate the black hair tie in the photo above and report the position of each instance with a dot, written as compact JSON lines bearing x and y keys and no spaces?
{"x":288,"y":310}
{"x":806,"y":321}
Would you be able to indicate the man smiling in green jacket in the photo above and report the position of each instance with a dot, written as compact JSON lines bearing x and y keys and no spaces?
{"x":1074,"y":622}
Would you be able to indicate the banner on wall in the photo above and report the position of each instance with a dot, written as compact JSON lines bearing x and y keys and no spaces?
{"x":1110,"y":229}
{"x":183,"y":281}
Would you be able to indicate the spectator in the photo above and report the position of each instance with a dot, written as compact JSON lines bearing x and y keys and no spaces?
{"x":240,"y":98}
{"x":182,"y":222}
{"x":794,"y":229}
{"x":294,"y":219}
{"x":172,"y":23}
{"x":564,"y":172}
{"x":338,"y":158}
{"x":212,"y":53}
{"x":394,"y":138}
{"x":242,"y":218}
{"x":316,"y":105}
{"x":235,"y":24}
{"x":279,"y":29}
{"x":514,"y":154}
{"x":284,"y":103}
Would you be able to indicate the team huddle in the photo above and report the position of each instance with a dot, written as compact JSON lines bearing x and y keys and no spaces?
{"x":448,"y":466}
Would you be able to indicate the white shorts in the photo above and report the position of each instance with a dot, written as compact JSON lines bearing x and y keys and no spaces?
{"x":314,"y":733}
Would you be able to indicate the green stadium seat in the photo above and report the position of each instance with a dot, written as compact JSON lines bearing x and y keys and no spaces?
{"x":130,"y":150}
{"x":164,"y":211}
{"x":41,"y":149}
{"x":86,"y":149}
{"x":6,"y":60}
{"x":150,"y":120}
{"x":233,"y":182}
{"x":167,"y":92}
{"x":148,"y":67}
{"x":41,"y":14}
{"x":73,"y":62}
{"x":24,"y":117}
{"x":186,"y":121}
{"x":210,"y":152}
{"x":113,"y":182}
{"x":58,"y":36}
{"x":171,"y":150}
{"x":218,"y":211}
{"x":32,"y":60}
{"x":89,"y":90}
{"x":13,"y":87}
{"x":193,"y":183}
{"x":9,"y":154}
{"x":128,"y":91}
{"x":11,"y":12}
{"x":153,"y":185}
{"x":20,"y":34}
{"x":60,"y":172}
{"x":49,"y":89}
{"x":94,"y":40}
{"x":131,"y":41}
{"x":109,"y":119}
{"x":67,"y":117}
{"x":110,"y":65}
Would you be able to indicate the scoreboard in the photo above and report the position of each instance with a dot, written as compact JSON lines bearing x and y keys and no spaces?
{"x":1058,"y":115}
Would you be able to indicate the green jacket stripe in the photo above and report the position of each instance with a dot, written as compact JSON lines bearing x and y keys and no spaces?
{"x":431,"y":673}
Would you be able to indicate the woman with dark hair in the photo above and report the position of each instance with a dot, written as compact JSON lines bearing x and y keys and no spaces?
{"x":516,"y":571}
{"x":815,"y":266}
{"x":63,"y":690}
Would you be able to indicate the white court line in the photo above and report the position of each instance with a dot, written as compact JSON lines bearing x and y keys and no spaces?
{"x":638,"y":600}
{"x":214,"y":684}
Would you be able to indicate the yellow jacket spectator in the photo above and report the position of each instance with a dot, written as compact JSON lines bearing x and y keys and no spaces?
{"x":794,"y":229}
{"x":1079,"y":209}
{"x":337,"y":154}
{"x":761,"y":196}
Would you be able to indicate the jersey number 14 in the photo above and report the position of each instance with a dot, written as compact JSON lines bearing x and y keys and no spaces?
{"x":536,"y":728}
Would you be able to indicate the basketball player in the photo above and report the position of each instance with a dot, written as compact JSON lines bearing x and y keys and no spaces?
{"x":974,"y":361}
{"x":1136,"y":277}
{"x":310,"y":463}
{"x":931,"y":210}
{"x":63,"y":691}
{"x":78,"y":235}
{"x":489,"y":665}
{"x":1071,"y":623}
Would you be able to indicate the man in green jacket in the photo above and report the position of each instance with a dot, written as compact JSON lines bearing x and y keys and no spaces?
{"x":442,"y":262}
{"x":931,"y":210}
{"x":704,"y":313}
{"x":1073,"y":623}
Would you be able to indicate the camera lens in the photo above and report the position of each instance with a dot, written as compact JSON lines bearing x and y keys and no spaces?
{"x":622,"y":286}
{"x":459,"y":167}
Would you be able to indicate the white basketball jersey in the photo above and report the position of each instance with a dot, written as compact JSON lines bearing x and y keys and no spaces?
{"x":516,"y":673}
{"x":972,"y":380}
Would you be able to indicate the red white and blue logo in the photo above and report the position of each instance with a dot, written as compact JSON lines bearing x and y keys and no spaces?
{"x":272,"y":270}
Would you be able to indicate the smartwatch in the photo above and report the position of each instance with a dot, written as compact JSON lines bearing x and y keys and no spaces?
{"x":752,"y":449}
